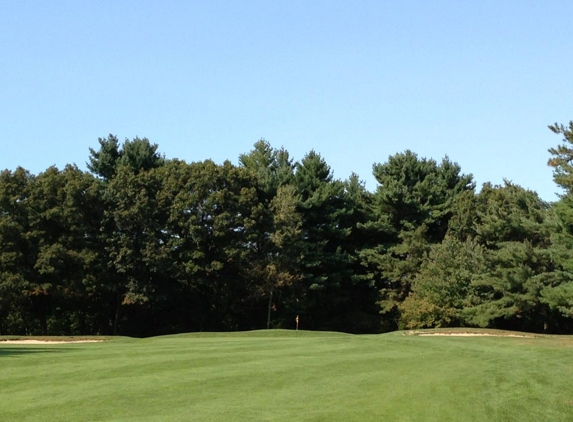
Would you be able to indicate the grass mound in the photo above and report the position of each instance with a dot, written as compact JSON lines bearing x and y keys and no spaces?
{"x":257,"y":334}
{"x":280,"y":375}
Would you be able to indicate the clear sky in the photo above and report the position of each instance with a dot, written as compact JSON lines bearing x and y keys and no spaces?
{"x":357,"y":81}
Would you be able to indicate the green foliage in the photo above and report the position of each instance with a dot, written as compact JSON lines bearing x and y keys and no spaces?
{"x":510,"y":223}
{"x":50,"y":254}
{"x":418,"y":191}
{"x":275,"y":247}
{"x":14,"y":249}
{"x":510,"y":213}
{"x":558,"y":292}
{"x":138,"y":222}
{"x":143,"y":245}
{"x":562,"y":157}
{"x":104,"y":162}
{"x":411,"y":210}
{"x":271,"y":167}
{"x":560,"y":296}
{"x":508,"y":295}
{"x":139,"y":154}
{"x":212,"y":222}
{"x":325,"y":262}
{"x":441,"y":288}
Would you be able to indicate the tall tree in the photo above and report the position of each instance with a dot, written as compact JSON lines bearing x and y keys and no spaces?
{"x":360,"y":310}
{"x":104,"y":162}
{"x":558,"y":294}
{"x":562,"y":157}
{"x":280,"y":268}
{"x":134,"y":232}
{"x":412,"y":208}
{"x":325,"y":263}
{"x":273,"y":252}
{"x":16,"y":263}
{"x":271,"y":167}
{"x":139,"y":154}
{"x":58,"y":249}
{"x":441,"y":288}
{"x":210,"y":231}
{"x":511,"y":225}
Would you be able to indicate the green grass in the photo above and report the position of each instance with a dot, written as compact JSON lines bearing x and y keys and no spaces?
{"x":288,"y":376}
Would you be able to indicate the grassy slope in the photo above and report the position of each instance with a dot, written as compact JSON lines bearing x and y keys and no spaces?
{"x":280,"y":376}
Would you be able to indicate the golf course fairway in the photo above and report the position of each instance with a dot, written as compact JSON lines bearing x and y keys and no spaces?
{"x":280,"y":375}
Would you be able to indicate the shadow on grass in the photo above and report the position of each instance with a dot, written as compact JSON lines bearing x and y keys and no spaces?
{"x":17,"y":351}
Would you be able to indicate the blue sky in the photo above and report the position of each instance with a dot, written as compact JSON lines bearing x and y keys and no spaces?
{"x":357,"y":81}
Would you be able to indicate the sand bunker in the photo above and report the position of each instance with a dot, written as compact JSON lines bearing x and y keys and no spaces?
{"x":471,"y":335}
{"x":47,"y":341}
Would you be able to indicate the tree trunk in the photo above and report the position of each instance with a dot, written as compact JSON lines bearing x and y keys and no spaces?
{"x":118,"y":304}
{"x":269,"y":310}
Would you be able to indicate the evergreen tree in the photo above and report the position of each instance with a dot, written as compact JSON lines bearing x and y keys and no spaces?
{"x":558,"y":294}
{"x":134,"y":226}
{"x":138,"y":154}
{"x":211,"y":229}
{"x":511,"y":226}
{"x":325,"y":263}
{"x":441,"y":288}
{"x":412,"y":208}
{"x":104,"y":162}
{"x":562,"y":157}
{"x":275,"y":251}
{"x":50,"y":250}
{"x":16,"y":263}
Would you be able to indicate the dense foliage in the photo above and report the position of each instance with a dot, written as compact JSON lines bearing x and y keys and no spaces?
{"x":144,"y":245}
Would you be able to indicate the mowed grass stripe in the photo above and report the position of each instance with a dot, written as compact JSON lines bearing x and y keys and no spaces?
{"x":285,"y":376}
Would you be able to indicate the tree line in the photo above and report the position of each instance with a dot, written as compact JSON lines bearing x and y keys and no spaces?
{"x":143,"y":245}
